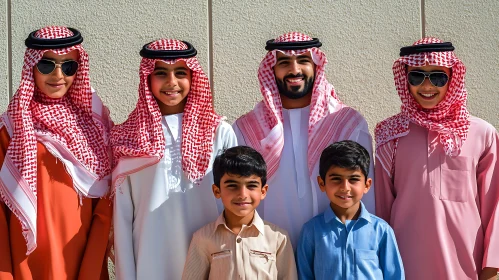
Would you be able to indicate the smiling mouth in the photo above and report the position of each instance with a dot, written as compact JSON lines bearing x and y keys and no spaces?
{"x":344,"y":197}
{"x":170,"y":92}
{"x":428,"y":95}
{"x":242,"y":203}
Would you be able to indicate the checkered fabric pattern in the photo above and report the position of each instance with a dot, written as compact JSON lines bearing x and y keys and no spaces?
{"x":450,"y":118}
{"x":141,"y":135}
{"x":260,"y":123}
{"x":69,"y":121}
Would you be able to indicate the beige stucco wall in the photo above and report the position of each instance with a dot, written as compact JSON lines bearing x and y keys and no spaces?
{"x":360,"y":38}
{"x":4,"y":56}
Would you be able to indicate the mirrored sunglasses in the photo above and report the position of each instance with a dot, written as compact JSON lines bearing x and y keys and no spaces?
{"x":46,"y":66}
{"x":437,"y":78}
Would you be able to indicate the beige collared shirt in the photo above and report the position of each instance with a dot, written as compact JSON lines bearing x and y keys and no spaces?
{"x":261,"y":250}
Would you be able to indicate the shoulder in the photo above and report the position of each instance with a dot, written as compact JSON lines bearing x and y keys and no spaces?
{"x":258,"y":109}
{"x":478,"y":125}
{"x":204,"y":232}
{"x":379,"y":225}
{"x":270,"y":227}
{"x":224,"y":127}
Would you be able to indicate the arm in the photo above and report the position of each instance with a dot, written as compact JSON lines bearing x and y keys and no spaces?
{"x":305,"y":253}
{"x":365,"y":140}
{"x":488,"y":191}
{"x":197,"y":263}
{"x":230,"y":138}
{"x":94,"y":263}
{"x":123,"y":238}
{"x":285,"y":260}
{"x":389,"y":256}
{"x":385,"y":192}
{"x":5,"y":254}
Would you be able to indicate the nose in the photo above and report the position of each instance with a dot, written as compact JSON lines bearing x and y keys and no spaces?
{"x":58,"y":72}
{"x":294,"y":68}
{"x":171,"y":79}
{"x":426,"y":83}
{"x":243,"y":193}
{"x":345,"y":185}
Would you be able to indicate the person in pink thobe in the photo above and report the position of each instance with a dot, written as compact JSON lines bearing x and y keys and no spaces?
{"x":437,"y":170}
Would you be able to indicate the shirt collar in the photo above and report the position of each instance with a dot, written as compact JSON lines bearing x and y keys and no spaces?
{"x":257,"y":222}
{"x":364,"y":214}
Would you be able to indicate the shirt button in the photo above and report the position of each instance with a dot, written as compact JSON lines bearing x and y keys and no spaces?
{"x":239,"y":239}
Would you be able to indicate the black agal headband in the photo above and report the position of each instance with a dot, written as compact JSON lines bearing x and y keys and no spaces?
{"x":36,"y":43}
{"x":434,"y":47}
{"x":298,"y":45}
{"x":168,"y":54}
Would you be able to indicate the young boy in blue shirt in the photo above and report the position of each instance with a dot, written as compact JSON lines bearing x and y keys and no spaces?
{"x":346,"y":241}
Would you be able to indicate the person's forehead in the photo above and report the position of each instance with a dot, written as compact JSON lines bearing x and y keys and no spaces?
{"x":61,"y":57}
{"x":240,"y":179}
{"x":428,"y":68}
{"x":344,"y":172}
{"x":282,"y":55}
{"x":177,"y":64}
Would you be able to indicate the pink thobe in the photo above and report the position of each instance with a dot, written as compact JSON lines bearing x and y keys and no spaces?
{"x":443,"y":209}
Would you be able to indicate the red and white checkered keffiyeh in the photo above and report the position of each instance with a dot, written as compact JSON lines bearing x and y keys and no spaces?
{"x":450,"y":118}
{"x":262,"y":127}
{"x":141,"y":135}
{"x":74,"y":128}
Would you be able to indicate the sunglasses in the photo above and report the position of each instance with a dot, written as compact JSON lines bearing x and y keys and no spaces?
{"x":46,"y":66}
{"x":437,"y":78}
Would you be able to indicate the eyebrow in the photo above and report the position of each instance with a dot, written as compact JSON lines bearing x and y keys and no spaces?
{"x":166,"y":69}
{"x":338,"y":175}
{"x":228,"y":181}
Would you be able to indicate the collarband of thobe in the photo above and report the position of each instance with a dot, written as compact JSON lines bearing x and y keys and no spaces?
{"x":298,"y":45}
{"x":434,"y":47}
{"x":36,"y":43}
{"x":168,"y":54}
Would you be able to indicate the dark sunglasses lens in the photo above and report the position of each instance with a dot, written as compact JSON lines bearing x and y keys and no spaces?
{"x":439,"y":79}
{"x":415,"y":78}
{"x":45,"y":66}
{"x":69,"y":68}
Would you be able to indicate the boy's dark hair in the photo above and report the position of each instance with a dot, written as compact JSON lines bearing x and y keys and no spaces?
{"x":344,"y":154}
{"x":241,"y":160}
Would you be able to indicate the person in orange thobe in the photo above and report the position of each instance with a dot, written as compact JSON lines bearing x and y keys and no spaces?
{"x":55,"y":166}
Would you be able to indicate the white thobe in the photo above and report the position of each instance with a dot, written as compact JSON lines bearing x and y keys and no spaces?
{"x":283,"y":206}
{"x":157,"y":209}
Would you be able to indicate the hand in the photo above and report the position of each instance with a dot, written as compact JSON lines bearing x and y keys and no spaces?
{"x":488,"y":273}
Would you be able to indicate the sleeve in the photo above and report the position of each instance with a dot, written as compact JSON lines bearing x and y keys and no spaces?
{"x":123,"y":238}
{"x":5,"y":253}
{"x":305,"y":253}
{"x":389,"y":256}
{"x":364,"y":138}
{"x":94,"y":263}
{"x":239,"y":135}
{"x":285,"y":259}
{"x":197,"y":263}
{"x":385,"y":191}
{"x":488,"y":189}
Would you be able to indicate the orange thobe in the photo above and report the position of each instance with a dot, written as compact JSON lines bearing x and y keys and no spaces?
{"x":72,"y":235}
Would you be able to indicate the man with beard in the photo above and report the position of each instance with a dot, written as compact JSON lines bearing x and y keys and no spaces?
{"x":299,"y":116}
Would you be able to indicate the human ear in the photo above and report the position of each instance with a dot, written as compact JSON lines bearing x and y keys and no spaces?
{"x":321,"y":184}
{"x":216,"y":191}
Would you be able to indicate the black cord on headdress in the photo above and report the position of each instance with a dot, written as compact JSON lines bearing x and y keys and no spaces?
{"x":36,"y":43}
{"x":298,"y":45}
{"x":168,"y":54}
{"x":434,"y":47}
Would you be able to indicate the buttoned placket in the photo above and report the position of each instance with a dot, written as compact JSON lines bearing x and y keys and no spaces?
{"x":344,"y":232}
{"x":240,"y":252}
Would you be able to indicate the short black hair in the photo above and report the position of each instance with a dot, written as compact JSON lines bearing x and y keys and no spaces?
{"x":344,"y":154}
{"x":243,"y":161}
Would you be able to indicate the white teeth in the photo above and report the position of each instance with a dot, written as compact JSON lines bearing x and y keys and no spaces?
{"x":294,"y":80}
{"x":428,"y":94}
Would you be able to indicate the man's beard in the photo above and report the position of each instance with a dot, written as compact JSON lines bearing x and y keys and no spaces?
{"x":294,"y":92}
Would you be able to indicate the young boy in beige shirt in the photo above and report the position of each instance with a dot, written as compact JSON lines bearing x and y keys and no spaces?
{"x":239,"y":244}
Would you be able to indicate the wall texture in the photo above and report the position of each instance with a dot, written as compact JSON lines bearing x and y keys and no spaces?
{"x":360,"y":38}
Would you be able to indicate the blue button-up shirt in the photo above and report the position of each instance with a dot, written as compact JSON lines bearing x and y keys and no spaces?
{"x":359,"y":249}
